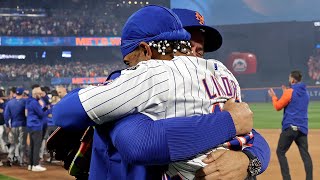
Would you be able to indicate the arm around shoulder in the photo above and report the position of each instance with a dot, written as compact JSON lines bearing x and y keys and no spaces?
{"x":140,"y":140}
{"x":69,"y":113}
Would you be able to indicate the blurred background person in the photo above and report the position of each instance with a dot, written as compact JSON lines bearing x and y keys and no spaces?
{"x":3,"y":148}
{"x":34,"y":123}
{"x":51,"y":126}
{"x":294,"y":101}
{"x":45,"y":103}
{"x":62,"y":91}
{"x":15,"y":119}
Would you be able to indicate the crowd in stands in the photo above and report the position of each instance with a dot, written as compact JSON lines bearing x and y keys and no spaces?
{"x":314,"y":68}
{"x":45,"y":72}
{"x":62,"y":23}
{"x":84,"y":19}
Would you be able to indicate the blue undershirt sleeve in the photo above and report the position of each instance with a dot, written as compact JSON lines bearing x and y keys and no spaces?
{"x":69,"y":113}
{"x":260,"y":149}
{"x":140,"y":140}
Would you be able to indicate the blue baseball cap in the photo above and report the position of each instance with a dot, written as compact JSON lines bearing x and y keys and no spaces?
{"x":151,"y":23}
{"x":194,"y":20}
{"x":19,"y":91}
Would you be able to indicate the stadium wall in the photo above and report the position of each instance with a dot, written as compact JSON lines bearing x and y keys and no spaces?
{"x":261,"y":94}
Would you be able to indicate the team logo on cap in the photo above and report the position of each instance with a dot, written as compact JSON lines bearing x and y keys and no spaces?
{"x":200,"y":18}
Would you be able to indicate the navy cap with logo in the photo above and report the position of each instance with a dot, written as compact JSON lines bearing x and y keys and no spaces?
{"x":194,"y":20}
{"x":19,"y":91}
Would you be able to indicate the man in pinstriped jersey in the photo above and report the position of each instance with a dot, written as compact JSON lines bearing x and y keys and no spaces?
{"x":149,"y":86}
{"x":163,"y":106}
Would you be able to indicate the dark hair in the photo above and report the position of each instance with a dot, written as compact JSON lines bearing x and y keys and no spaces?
{"x":45,"y":89}
{"x":35,"y":86}
{"x":54,"y":93}
{"x":297,"y":75}
{"x":13,"y":89}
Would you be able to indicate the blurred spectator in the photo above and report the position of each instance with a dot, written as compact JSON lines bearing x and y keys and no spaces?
{"x":15,"y":119}
{"x":3,"y":148}
{"x":61,"y":91}
{"x":35,"y":125}
{"x":314,"y":68}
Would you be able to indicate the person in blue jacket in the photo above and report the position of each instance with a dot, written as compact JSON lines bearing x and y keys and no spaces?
{"x":294,"y":101}
{"x":16,"y":121}
{"x":35,"y":115}
{"x":157,"y":140}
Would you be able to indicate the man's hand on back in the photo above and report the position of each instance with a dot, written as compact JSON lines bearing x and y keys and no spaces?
{"x":241,"y":114}
{"x":224,"y":164}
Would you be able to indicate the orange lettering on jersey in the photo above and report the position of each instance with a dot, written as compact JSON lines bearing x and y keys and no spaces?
{"x":200,"y":18}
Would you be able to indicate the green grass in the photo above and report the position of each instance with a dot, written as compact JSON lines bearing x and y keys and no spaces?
{"x":266,"y":117}
{"x":2,"y":177}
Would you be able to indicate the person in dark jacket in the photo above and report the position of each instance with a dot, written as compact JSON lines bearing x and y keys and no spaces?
{"x":294,"y":101}
{"x":34,"y":123}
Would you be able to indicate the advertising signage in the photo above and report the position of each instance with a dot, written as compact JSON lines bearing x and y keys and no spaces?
{"x":59,"y":41}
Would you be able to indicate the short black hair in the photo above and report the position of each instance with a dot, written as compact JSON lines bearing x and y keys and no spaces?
{"x":297,"y":75}
{"x":35,"y":86}
{"x":45,"y":89}
{"x":13,"y":89}
{"x":54,"y":93}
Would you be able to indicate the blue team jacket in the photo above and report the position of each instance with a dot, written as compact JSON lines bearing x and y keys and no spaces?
{"x":15,"y":111}
{"x":35,"y":115}
{"x":295,"y":101}
{"x":296,"y":112}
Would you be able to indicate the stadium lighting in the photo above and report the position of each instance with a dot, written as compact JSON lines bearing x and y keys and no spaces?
{"x":147,"y":2}
{"x":129,"y":2}
{"x":135,"y":2}
{"x":141,"y":2}
{"x":123,"y":2}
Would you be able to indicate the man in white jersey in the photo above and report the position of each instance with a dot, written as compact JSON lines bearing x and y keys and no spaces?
{"x":184,"y":86}
{"x":207,"y":39}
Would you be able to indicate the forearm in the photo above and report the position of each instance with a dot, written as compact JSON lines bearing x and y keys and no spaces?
{"x":69,"y":113}
{"x":283,"y":101}
{"x":141,"y":140}
{"x":260,"y":149}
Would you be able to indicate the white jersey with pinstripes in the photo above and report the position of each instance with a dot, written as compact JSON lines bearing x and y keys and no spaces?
{"x":184,"y":86}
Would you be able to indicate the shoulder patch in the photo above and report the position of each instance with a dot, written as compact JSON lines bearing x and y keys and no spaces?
{"x":215,"y":66}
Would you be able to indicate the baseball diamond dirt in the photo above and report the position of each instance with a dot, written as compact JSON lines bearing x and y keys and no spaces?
{"x":56,"y":171}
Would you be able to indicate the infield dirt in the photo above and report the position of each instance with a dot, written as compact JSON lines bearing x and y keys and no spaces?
{"x":56,"y":172}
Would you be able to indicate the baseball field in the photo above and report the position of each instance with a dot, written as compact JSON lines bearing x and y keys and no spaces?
{"x":266,"y":120}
